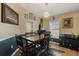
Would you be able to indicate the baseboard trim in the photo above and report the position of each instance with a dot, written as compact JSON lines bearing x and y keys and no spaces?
{"x":6,"y":38}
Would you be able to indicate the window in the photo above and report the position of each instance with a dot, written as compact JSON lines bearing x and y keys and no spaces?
{"x":54,"y":24}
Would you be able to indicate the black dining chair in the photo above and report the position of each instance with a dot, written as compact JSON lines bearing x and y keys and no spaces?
{"x":28,"y":47}
{"x":20,"y":44}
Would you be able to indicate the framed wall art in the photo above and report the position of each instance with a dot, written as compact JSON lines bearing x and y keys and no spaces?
{"x":68,"y":22}
{"x":8,"y":15}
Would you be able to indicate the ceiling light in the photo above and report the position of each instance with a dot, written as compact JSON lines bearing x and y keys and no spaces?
{"x":46,"y":14}
{"x":46,"y":3}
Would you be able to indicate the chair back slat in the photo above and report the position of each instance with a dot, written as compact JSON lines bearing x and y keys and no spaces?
{"x":19,"y":41}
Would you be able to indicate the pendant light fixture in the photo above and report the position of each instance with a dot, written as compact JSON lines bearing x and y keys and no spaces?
{"x":46,"y":14}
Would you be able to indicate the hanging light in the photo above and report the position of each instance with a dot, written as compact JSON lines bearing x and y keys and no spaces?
{"x":46,"y":14}
{"x":46,"y":3}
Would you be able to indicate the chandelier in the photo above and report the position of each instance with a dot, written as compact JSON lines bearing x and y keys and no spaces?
{"x":46,"y":14}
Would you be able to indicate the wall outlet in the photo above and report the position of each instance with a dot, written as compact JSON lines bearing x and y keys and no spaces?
{"x":11,"y":46}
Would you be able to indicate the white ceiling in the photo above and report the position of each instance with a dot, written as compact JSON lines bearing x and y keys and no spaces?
{"x":53,"y":8}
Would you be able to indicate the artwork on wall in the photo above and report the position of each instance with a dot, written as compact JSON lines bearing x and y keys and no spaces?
{"x":68,"y":22}
{"x":8,"y":15}
{"x":26,"y":16}
{"x":31,"y":16}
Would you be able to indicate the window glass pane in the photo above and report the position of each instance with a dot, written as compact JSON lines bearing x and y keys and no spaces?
{"x":54,"y":24}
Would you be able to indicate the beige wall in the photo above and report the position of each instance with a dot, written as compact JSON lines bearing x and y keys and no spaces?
{"x":46,"y":23}
{"x":75,"y":29}
{"x":7,"y":30}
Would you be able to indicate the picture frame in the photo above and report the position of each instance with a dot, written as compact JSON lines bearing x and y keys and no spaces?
{"x":68,"y":22}
{"x":8,"y":15}
{"x":31,"y":16}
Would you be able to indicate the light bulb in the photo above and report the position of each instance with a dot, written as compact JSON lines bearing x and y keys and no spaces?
{"x":46,"y":14}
